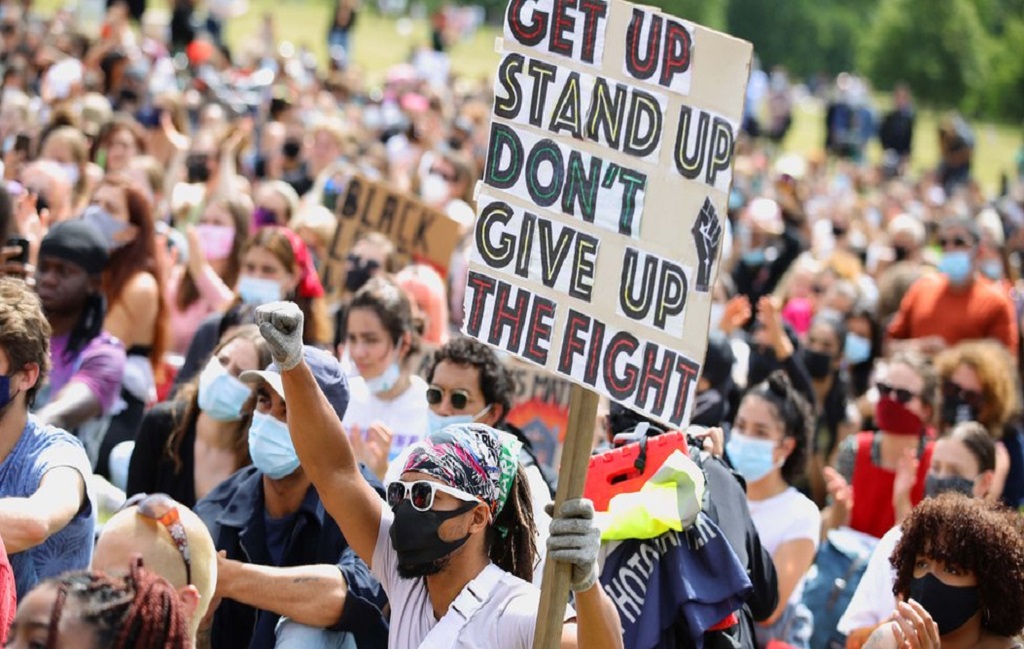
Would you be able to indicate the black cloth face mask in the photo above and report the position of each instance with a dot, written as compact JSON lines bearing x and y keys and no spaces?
{"x":818,"y":365}
{"x":414,"y":536}
{"x":949,"y":606}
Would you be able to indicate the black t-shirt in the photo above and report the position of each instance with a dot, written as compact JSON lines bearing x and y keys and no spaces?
{"x":151,"y":469}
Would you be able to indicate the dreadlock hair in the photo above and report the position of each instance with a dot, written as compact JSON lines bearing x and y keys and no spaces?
{"x":89,"y":325}
{"x":512,"y":539}
{"x":139,"y":611}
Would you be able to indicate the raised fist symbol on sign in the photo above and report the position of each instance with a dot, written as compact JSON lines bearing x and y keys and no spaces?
{"x":707,"y":234}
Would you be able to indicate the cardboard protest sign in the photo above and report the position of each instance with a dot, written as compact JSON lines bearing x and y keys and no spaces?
{"x":420,"y":233}
{"x":601,"y":208}
{"x":540,"y":409}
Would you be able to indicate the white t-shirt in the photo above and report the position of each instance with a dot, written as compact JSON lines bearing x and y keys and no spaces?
{"x":405,"y":415}
{"x":786,"y":517}
{"x":507,"y":620}
{"x":873,"y":601}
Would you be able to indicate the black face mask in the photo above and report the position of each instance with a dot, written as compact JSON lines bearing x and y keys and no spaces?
{"x":935,"y":486}
{"x":358,"y":274}
{"x":198,"y":169}
{"x":414,"y":536}
{"x":291,"y":148}
{"x":818,"y":364}
{"x":901,"y":253}
{"x":956,"y":411}
{"x":949,"y":606}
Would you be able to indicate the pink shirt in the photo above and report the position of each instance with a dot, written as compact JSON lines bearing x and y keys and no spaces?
{"x":213,"y":295}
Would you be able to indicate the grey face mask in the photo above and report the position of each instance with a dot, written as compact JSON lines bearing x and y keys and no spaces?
{"x":934,"y":485}
{"x":108,"y":226}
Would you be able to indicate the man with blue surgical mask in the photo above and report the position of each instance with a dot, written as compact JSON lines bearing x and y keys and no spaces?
{"x":286,"y":575}
{"x":956,"y":304}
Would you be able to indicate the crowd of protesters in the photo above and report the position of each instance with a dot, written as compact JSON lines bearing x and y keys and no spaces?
{"x":200,"y":445}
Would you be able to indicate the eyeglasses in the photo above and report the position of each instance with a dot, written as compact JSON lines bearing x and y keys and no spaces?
{"x":955,"y":242}
{"x":164,"y":510}
{"x":459,"y":398}
{"x":951,"y":390}
{"x":421,"y":493}
{"x":903,"y":396}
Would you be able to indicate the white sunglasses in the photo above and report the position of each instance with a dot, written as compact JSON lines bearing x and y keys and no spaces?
{"x":421,"y":493}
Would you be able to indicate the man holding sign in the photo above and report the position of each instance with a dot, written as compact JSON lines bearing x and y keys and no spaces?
{"x":454,"y":547}
{"x":601,"y":212}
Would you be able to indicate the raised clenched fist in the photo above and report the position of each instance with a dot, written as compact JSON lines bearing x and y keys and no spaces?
{"x":281,"y":325}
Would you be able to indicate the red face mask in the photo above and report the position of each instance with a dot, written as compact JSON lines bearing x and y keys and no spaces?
{"x":893,"y":417}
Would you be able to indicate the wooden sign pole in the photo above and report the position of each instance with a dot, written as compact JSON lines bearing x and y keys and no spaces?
{"x":579,"y":438}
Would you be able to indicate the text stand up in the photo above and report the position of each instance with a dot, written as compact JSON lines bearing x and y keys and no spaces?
{"x":579,"y":440}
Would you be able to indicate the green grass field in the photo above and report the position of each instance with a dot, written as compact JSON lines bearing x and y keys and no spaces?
{"x":381,"y":42}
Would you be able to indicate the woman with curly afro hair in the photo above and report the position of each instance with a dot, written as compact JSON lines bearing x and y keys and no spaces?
{"x":959,"y":577}
{"x":89,"y":610}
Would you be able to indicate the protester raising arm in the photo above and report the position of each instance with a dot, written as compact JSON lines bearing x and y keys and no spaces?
{"x":320,"y":441}
{"x":464,"y":476}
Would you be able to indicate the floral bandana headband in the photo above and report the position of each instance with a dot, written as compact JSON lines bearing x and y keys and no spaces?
{"x":472,"y":457}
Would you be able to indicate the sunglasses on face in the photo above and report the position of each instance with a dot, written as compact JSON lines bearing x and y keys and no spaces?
{"x":899,"y":394}
{"x":951,"y":390}
{"x":458,"y":398}
{"x":954,"y":242}
{"x":164,"y":510}
{"x":421,"y":494}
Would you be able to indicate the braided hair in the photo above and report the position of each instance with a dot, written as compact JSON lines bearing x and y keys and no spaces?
{"x":512,"y":539}
{"x":794,"y":413}
{"x":89,"y":325}
{"x":139,"y":611}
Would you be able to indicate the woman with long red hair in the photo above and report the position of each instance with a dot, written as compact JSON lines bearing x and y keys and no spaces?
{"x":133,"y":287}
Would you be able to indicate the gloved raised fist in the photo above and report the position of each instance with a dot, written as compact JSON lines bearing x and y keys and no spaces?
{"x":281,"y":325}
{"x":575,"y":540}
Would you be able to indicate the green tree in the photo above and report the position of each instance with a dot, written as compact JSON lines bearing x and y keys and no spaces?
{"x":710,"y":13}
{"x":1001,"y":94}
{"x":805,"y":36}
{"x":935,"y":46}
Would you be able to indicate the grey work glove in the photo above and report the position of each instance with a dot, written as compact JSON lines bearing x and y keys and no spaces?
{"x":281,"y":325}
{"x":575,"y":540}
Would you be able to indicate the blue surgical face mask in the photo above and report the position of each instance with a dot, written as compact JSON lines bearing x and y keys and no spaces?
{"x":752,"y":458}
{"x":992,"y":269}
{"x":221,"y":395}
{"x":857,"y":349}
{"x":270,"y":446}
{"x":754,"y":257}
{"x":956,"y":265}
{"x":439,"y":422}
{"x":107,"y":224}
{"x":5,"y":393}
{"x":255,"y":291}
{"x":387,"y":380}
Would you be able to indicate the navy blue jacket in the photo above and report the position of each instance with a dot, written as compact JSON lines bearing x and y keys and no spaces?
{"x":234,"y":514}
